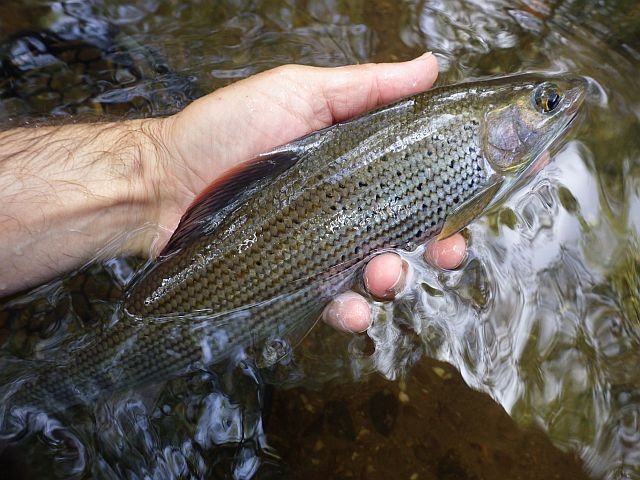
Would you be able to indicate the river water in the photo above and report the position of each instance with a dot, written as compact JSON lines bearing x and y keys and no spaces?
{"x":521,"y":364}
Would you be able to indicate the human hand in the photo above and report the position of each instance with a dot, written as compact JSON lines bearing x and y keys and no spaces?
{"x":384,"y":277}
{"x":262,"y":112}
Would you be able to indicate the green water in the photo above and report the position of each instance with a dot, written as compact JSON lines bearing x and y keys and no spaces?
{"x":540,"y":327}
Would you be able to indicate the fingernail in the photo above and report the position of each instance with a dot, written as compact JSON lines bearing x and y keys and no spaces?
{"x":394,"y":290}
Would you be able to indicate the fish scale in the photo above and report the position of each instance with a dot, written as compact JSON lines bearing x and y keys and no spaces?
{"x":258,"y":257}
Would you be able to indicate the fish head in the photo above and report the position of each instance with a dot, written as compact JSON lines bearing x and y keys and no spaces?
{"x":518,"y":136}
{"x":523,"y":118}
{"x":536,"y":112}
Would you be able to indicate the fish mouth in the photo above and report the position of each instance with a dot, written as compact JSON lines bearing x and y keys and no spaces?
{"x":577,"y":95}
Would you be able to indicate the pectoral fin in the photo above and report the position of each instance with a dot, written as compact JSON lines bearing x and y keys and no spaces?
{"x":469,"y":210}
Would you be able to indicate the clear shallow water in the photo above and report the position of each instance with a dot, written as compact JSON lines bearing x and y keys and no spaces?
{"x":544,"y":315}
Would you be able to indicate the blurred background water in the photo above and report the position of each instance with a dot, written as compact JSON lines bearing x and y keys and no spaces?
{"x":521,"y":364}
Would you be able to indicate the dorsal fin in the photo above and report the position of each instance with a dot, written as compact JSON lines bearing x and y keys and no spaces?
{"x":227,"y":193}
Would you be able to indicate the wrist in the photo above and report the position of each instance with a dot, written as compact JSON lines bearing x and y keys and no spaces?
{"x":73,"y":193}
{"x":123,"y":164}
{"x":146,"y":170}
{"x":156,"y":186}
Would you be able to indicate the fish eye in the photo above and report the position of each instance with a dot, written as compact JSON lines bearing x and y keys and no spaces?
{"x":546,"y":97}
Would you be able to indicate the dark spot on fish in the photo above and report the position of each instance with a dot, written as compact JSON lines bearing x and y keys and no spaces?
{"x":450,"y":466}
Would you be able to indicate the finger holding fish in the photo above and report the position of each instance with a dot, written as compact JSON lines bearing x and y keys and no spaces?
{"x":384,"y":277}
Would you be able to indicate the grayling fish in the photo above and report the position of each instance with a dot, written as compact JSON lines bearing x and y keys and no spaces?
{"x":259,"y":254}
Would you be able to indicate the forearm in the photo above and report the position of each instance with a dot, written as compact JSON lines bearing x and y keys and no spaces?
{"x":68,"y":192}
